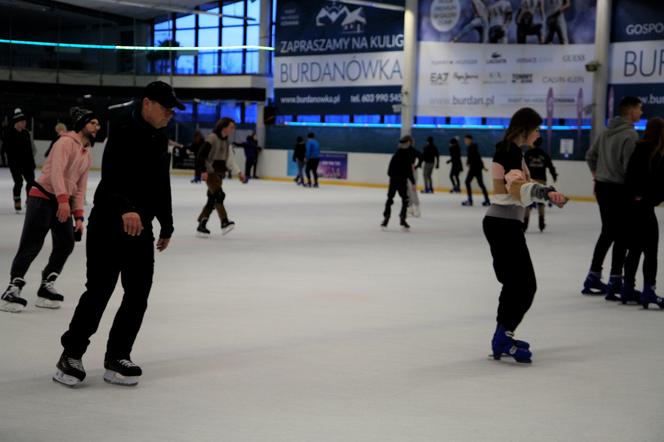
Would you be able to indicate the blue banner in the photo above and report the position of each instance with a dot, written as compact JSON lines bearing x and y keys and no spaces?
{"x":337,"y":57}
{"x":641,"y":20}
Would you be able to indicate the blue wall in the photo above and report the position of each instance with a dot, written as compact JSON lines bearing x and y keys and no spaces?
{"x":385,"y":139}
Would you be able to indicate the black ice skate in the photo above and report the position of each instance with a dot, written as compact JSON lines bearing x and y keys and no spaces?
{"x":542,"y":224}
{"x":383,"y":225}
{"x":17,"y":205}
{"x":47,"y":296}
{"x":122,"y":372}
{"x":202,"y":229}
{"x":227,"y":226}
{"x":70,"y":371}
{"x":404,"y":225}
{"x":11,"y":300}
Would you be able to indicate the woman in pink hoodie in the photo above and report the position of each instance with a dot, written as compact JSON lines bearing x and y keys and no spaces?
{"x":56,"y":195}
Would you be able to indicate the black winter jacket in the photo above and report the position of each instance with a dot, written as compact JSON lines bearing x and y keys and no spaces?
{"x":135,"y":175}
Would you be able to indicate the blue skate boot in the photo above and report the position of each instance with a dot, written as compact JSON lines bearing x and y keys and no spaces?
{"x":648,"y":296}
{"x":614,"y":287}
{"x":593,"y":284}
{"x":503,"y":344}
{"x":628,"y":295}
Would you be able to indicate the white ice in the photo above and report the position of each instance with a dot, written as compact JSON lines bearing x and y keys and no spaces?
{"x":309,"y":323}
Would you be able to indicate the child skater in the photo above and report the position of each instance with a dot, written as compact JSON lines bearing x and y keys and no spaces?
{"x":503,"y":228}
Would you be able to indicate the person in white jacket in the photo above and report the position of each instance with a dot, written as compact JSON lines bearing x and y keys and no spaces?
{"x":214,"y":159}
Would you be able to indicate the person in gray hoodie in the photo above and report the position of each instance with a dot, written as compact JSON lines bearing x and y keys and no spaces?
{"x":608,"y":158}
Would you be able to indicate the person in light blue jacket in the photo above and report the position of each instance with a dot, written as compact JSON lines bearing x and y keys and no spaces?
{"x":313,"y":158}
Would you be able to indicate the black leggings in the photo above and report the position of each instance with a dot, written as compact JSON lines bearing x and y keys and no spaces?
{"x":39,"y":220}
{"x":18,"y":175}
{"x":480,"y":182}
{"x":400,"y":186}
{"x":454,"y":177}
{"x":643,"y":237}
{"x":312,"y":166}
{"x":513,"y":267}
{"x":612,"y":201}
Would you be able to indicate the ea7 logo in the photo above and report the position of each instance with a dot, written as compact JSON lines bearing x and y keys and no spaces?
{"x":352,"y":22}
{"x":438,"y":78}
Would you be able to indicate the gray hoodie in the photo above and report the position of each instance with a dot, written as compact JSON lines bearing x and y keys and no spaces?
{"x":610,"y":153}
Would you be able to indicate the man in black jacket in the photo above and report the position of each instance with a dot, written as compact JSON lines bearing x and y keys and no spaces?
{"x":20,"y":156}
{"x":134,"y":189}
{"x":475,"y":169}
{"x":400,"y":172}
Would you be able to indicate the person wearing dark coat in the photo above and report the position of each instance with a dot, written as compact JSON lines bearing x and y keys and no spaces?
{"x":401,"y":176}
{"x":20,"y":153}
{"x":644,"y":183}
{"x":250,"y":155}
{"x":538,"y":161}
{"x":299,"y":157}
{"x":457,"y":166}
{"x":430,"y":157}
{"x":120,"y":240}
{"x":475,"y":169}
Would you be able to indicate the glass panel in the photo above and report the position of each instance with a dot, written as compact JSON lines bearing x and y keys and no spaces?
{"x":206,"y":21}
{"x":208,"y":62}
{"x":253,"y":33}
{"x":367,"y":119}
{"x":160,"y":36}
{"x":232,"y":36}
{"x":185,"y":38}
{"x":252,"y":62}
{"x":231,"y":62}
{"x":207,"y":112}
{"x":185,"y":115}
{"x":250,"y":113}
{"x":236,"y":9}
{"x":163,"y":25}
{"x":337,"y":118}
{"x":231,"y":109}
{"x":254,"y":11}
{"x":186,"y":22}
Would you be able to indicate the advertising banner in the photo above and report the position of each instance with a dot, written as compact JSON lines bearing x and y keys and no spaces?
{"x":333,"y":57}
{"x":637,"y":54}
{"x":332,"y":165}
{"x":481,"y":58}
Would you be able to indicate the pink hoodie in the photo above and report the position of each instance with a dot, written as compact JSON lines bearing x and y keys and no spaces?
{"x":65,"y":173}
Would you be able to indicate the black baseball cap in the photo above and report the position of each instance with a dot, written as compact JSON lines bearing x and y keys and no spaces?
{"x":163,"y":94}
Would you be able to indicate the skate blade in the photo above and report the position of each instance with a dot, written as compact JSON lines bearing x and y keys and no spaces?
{"x":11,"y":307}
{"x":113,"y":377}
{"x":227,"y":230}
{"x":202,"y":235}
{"x":47,"y":303}
{"x":593,"y":292}
{"x":66,"y":380}
{"x":509,"y":360}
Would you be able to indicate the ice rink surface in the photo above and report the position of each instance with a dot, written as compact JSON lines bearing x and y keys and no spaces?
{"x":309,"y":323}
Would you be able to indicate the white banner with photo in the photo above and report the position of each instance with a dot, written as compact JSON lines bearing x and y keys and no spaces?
{"x":494,"y":80}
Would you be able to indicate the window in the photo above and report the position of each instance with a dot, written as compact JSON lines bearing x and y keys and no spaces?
{"x":208,"y":61}
{"x":250,"y":113}
{"x":185,"y":63}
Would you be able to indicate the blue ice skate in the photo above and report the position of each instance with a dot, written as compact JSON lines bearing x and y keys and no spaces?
{"x":503,"y":344}
{"x":648,"y":296}
{"x":593,"y":285}
{"x":614,"y":287}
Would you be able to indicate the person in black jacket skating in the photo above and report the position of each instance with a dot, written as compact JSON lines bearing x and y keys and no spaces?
{"x":644,"y":182}
{"x":475,"y":169}
{"x":135,"y":188}
{"x":401,"y":176}
{"x":299,"y":157}
{"x":20,"y":152}
{"x":538,"y":161}
{"x":457,"y":166}
{"x":430,"y":157}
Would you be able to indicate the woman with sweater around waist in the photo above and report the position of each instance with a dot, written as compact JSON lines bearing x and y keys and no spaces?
{"x":56,"y":195}
{"x":644,"y":183}
{"x":503,"y":228}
